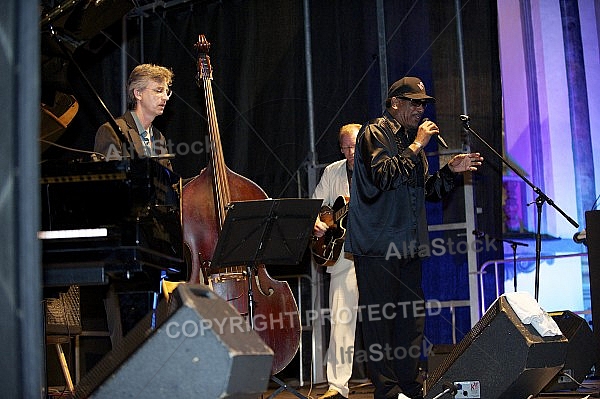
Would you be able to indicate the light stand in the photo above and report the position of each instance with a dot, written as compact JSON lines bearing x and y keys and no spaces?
{"x":539,"y":201}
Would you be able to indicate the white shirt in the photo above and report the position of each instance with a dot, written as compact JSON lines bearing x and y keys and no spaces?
{"x":334,"y":183}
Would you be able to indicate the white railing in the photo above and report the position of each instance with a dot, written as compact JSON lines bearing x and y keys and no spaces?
{"x":497,"y":262}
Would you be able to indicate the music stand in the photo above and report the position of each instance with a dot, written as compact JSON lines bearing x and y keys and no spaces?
{"x":265,"y":231}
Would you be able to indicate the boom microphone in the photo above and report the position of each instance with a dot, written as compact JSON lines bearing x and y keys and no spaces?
{"x":438,"y":137}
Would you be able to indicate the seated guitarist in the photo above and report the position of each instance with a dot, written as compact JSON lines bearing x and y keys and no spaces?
{"x":343,"y":291}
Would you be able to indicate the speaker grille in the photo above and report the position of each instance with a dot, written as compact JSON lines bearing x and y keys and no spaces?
{"x":464,"y":343}
{"x":63,"y":314}
{"x":580,"y":353}
{"x":505,"y":357}
{"x":219,"y":360}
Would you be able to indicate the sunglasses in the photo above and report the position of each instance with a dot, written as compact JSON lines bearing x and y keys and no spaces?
{"x":415,"y":103}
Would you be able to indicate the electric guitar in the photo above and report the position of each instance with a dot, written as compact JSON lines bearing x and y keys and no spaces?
{"x":327,"y":249}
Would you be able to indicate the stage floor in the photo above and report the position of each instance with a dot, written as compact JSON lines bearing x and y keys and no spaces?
{"x":358,"y":390}
{"x":364,"y":390}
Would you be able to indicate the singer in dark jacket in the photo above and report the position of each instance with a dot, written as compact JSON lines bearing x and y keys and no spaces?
{"x":387,"y":233}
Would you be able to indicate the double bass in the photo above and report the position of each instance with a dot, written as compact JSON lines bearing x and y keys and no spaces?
{"x":204,"y":207}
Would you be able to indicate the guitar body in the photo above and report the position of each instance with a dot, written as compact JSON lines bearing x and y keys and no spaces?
{"x":327,"y":249}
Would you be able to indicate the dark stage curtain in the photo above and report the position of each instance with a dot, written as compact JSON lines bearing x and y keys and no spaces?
{"x":445,"y":277}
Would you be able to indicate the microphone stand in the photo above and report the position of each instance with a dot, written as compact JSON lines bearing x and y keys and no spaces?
{"x":513,"y":245}
{"x":539,"y":201}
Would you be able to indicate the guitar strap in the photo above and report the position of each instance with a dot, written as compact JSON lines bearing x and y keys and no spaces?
{"x":349,"y":175}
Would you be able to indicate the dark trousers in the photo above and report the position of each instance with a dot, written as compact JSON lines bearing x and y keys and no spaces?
{"x":392,"y":310}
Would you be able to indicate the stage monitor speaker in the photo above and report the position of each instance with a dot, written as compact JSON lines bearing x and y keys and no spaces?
{"x":201,"y":348}
{"x":580,"y":352}
{"x":592,"y":229}
{"x":500,"y":358}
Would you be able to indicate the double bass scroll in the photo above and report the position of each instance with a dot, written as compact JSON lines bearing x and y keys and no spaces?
{"x":204,"y":207}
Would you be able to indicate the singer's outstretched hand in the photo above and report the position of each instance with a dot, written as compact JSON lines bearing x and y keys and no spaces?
{"x":465,"y":162}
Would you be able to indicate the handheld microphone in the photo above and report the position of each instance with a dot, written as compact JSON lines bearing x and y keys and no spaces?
{"x":439,"y":138}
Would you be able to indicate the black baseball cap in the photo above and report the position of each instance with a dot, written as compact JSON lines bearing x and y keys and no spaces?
{"x":409,"y":87}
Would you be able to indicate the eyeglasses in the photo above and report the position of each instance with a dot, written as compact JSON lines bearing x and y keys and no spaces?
{"x":415,"y":103}
{"x":344,"y":149}
{"x":161,"y":90}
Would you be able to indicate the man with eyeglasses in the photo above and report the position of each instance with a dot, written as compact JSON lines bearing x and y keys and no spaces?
{"x":148,"y":90}
{"x":343,"y":292}
{"x":388,"y":237}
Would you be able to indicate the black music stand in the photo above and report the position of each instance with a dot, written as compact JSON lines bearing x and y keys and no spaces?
{"x":272,"y":231}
